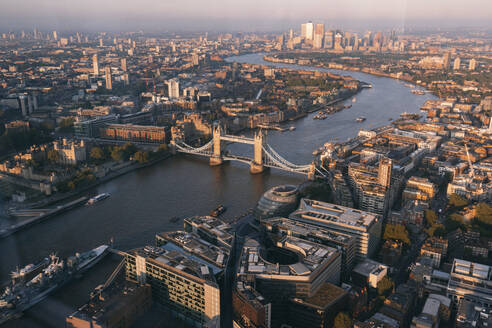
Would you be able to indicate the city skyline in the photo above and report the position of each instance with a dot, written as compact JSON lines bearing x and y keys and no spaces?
{"x":253,"y":15}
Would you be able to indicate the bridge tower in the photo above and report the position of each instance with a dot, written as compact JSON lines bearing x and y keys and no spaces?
{"x":256,"y":165}
{"x":216,"y":158}
{"x":312,"y":172}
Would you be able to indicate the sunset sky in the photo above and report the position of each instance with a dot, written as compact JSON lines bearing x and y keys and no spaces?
{"x":239,"y":14}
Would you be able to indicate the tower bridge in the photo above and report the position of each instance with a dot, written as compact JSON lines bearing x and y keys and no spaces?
{"x":264,"y":156}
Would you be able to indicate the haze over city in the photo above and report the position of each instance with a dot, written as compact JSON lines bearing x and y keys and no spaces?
{"x":240,"y":15}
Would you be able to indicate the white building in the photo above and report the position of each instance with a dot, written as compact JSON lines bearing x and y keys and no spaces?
{"x":173,"y":88}
{"x":470,"y":281}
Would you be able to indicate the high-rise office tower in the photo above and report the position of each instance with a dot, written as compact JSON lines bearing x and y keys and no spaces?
{"x":384,"y":172}
{"x":309,"y":31}
{"x":55,"y":35}
{"x":356,"y":42}
{"x":23,"y":104}
{"x":100,"y":42}
{"x":173,"y":88}
{"x":473,"y":64}
{"x":123,"y":64}
{"x":338,"y":41}
{"x":319,"y":32}
{"x":446,"y":60}
{"x":35,"y":33}
{"x":95,"y":65}
{"x":291,"y":34}
{"x":195,"y":59}
{"x":109,"y":85}
{"x":457,"y":64}
{"x":329,"y":39}
{"x":303,"y":30}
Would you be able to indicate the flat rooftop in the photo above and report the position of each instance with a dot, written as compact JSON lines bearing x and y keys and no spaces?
{"x":324,"y":297}
{"x":172,"y":255}
{"x":367,"y":267}
{"x":112,"y":299}
{"x":311,"y":255}
{"x":321,"y":212}
{"x":212,"y":226}
{"x":192,"y":243}
{"x":305,"y":229}
{"x":471,"y":269}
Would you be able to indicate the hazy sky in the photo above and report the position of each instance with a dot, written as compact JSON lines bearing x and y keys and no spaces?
{"x":238,"y":14}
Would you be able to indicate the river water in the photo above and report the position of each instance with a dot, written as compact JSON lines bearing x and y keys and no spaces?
{"x":142,"y":202}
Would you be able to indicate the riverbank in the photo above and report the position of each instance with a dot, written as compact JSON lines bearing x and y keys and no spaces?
{"x":365,"y":70}
{"x":59,"y":197}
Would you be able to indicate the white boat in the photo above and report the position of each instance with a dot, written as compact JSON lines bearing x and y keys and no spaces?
{"x":90,"y":258}
{"x":292,"y":128}
{"x":97,"y":198}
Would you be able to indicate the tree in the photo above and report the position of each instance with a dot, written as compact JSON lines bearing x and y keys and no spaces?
{"x":431,"y":217}
{"x":456,"y":200}
{"x":396,"y":232}
{"x":141,"y":157}
{"x":53,"y":156}
{"x":453,"y":222}
{"x":97,"y":153}
{"x":385,"y":286}
{"x":342,"y":320}
{"x":117,"y":154}
{"x":66,"y":124}
{"x":484,"y":213}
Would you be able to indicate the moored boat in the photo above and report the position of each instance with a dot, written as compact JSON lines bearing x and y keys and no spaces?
{"x":219,"y":210}
{"x":97,"y":198}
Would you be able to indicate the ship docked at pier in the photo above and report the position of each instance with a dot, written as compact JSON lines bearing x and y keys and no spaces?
{"x":33,"y":283}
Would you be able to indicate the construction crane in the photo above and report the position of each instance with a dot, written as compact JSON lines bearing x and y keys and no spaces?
{"x":472,"y":172}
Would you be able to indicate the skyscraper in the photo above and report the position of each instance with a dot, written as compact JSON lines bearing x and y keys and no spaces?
{"x":95,"y":65}
{"x":446,"y":60}
{"x":309,"y":31}
{"x":473,"y":64}
{"x":173,"y":88}
{"x":109,"y":85}
{"x":303,"y":30}
{"x":384,"y":172}
{"x":55,"y":35}
{"x":23,"y":104}
{"x":100,"y":42}
{"x":319,"y":32}
{"x":123,"y":64}
{"x":195,"y":59}
{"x":291,"y":34}
{"x":457,"y":63}
{"x":329,"y":39}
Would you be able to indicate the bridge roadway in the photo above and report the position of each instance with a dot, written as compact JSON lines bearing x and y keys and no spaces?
{"x":239,"y":139}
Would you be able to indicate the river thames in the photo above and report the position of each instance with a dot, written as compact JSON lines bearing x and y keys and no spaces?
{"x":142,"y":202}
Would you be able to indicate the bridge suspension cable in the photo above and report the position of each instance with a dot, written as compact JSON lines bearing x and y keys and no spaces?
{"x":273,"y":156}
{"x":203,"y":150}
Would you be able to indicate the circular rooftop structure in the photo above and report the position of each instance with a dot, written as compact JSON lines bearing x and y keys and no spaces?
{"x":278,"y":201}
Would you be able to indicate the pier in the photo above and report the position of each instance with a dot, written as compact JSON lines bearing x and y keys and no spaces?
{"x":43,"y":215}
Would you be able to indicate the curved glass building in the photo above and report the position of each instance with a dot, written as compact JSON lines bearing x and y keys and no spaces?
{"x":278,"y":201}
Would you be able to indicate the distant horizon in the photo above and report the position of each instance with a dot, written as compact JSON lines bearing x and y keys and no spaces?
{"x":240,"y":15}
